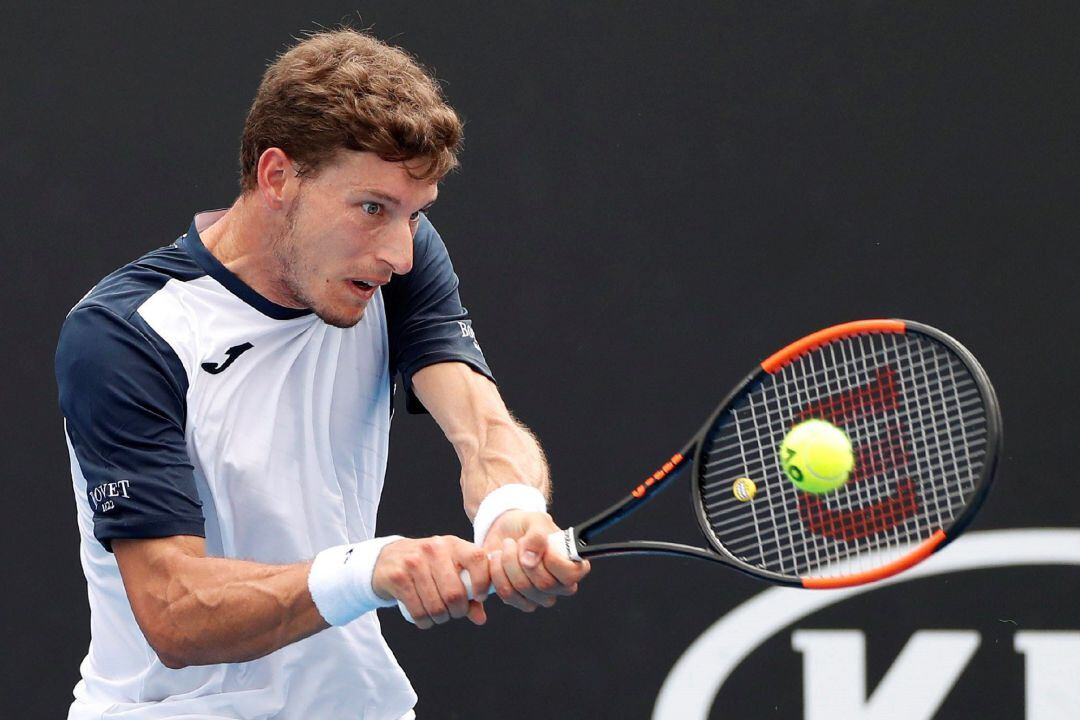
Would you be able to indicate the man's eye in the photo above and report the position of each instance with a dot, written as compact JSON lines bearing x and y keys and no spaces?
{"x":415,"y":216}
{"x":371,"y":208}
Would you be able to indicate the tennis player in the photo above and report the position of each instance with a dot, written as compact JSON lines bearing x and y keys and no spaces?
{"x":227,"y":403}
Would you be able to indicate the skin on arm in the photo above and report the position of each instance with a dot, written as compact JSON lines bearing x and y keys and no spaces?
{"x":495,"y":449}
{"x":199,"y":610}
{"x":425,"y":576}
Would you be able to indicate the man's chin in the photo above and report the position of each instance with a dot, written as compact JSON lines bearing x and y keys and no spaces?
{"x":339,"y":319}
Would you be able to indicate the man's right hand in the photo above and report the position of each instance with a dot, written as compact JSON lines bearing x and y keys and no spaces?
{"x":424,"y":575}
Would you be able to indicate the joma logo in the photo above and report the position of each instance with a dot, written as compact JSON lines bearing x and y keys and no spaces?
{"x":230,"y":355}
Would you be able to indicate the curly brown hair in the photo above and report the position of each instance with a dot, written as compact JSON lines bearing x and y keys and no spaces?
{"x":346,"y":89}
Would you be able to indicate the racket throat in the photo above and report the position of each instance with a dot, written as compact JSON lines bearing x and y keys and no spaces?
{"x":643,"y":493}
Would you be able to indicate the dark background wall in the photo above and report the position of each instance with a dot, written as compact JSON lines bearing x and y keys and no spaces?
{"x":653,"y":197}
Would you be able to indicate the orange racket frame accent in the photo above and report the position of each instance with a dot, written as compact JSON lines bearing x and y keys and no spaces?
{"x":917,"y":555}
{"x":657,"y":476}
{"x":781,"y":358}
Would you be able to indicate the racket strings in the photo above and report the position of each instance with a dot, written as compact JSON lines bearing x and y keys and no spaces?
{"x":919,"y":430}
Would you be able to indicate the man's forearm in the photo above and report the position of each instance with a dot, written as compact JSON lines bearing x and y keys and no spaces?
{"x":217,"y":610}
{"x":493,"y":448}
{"x":504,"y":451}
{"x":233,"y":611}
{"x":511,"y":524}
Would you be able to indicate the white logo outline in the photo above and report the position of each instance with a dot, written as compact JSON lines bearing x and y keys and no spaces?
{"x":691,"y":687}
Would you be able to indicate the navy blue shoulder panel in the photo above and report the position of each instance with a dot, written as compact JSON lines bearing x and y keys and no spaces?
{"x":123,"y":394}
{"x":124,"y":290}
{"x":426,"y":322}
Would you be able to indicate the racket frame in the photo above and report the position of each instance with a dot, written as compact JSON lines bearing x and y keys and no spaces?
{"x":578,"y":537}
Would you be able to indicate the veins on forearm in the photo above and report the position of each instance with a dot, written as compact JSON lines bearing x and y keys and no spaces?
{"x":506,"y":451}
{"x":215,"y":616}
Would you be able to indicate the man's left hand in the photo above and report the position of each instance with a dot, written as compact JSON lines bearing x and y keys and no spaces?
{"x":526,"y":574}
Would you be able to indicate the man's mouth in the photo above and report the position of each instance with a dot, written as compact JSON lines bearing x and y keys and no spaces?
{"x":366,"y":288}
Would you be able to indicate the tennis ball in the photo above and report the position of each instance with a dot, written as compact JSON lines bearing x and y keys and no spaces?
{"x":744,"y":489}
{"x":816,"y":456}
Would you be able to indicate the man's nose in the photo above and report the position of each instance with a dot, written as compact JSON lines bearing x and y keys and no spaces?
{"x":398,"y":249}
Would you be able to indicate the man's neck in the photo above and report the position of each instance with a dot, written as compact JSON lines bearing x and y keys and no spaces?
{"x":220,"y":237}
{"x":241,"y":240}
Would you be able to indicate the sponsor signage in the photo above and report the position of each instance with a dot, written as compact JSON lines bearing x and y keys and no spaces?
{"x":989,"y":628}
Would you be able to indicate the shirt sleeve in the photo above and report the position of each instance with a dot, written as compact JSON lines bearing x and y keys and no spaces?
{"x":123,"y":396}
{"x":426,"y":322}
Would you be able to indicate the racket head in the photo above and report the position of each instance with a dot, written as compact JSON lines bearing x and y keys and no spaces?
{"x":925,"y":427}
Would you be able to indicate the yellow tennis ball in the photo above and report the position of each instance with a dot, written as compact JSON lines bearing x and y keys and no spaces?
{"x":816,"y":456}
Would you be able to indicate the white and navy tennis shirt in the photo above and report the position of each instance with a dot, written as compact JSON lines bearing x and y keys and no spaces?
{"x":195,"y":406}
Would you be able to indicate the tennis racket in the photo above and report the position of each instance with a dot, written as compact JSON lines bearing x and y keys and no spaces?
{"x":925,"y":428}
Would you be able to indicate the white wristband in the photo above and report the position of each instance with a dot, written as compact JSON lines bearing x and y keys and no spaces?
{"x":501,"y":499}
{"x":340,"y":580}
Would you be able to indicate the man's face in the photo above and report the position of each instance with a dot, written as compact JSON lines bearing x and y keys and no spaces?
{"x":349,"y":229}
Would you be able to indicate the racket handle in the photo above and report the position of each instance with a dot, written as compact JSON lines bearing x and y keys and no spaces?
{"x":564,"y":544}
{"x":466,"y":580}
{"x":559,"y":542}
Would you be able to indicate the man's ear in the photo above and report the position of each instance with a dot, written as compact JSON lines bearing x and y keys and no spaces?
{"x":274,"y":172}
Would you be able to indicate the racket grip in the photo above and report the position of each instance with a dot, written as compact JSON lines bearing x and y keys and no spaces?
{"x":466,"y":580}
{"x":564,"y":544}
{"x":560,"y":542}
